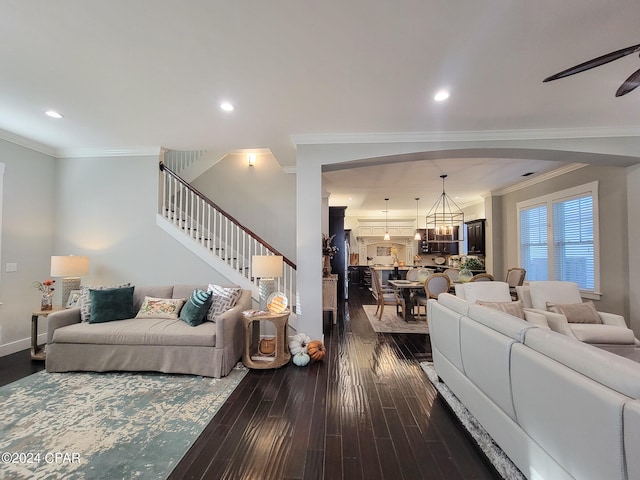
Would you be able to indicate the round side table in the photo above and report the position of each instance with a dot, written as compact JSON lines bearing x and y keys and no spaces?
{"x":251,"y":357}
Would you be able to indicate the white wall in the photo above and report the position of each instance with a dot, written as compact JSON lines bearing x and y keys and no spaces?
{"x":28,"y":221}
{"x":261,"y":197}
{"x":107,"y":210}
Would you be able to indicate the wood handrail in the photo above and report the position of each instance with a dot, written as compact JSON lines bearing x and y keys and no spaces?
{"x":210,"y":202}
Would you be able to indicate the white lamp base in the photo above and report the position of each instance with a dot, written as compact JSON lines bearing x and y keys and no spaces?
{"x":266,"y":287}
{"x":68,"y":284}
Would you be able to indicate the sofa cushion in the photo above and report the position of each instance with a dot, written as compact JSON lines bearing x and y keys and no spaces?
{"x":603,"y":334}
{"x":606,"y":368}
{"x":139,"y":331}
{"x":160,"y":308}
{"x":111,"y":304}
{"x":553,"y":291}
{"x":223,"y":298}
{"x":486,"y":291}
{"x":512,"y":308}
{"x":576,"y":312}
{"x":85,"y":301}
{"x":196,"y":307}
{"x":502,"y":322}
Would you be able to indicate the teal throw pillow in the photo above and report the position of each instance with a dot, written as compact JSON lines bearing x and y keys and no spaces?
{"x":196,"y":308}
{"x":111,"y":304}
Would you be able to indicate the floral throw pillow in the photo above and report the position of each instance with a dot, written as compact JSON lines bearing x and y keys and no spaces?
{"x":85,"y":299}
{"x":223,"y":298}
{"x":161,"y":308}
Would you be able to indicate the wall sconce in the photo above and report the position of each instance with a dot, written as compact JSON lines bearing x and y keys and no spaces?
{"x":71,"y":268}
{"x":252,"y":159}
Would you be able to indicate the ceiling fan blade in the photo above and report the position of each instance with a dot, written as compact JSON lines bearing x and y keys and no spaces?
{"x":596,"y":62}
{"x":629,"y":84}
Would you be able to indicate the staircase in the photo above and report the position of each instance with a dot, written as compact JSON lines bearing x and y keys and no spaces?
{"x":215,"y":236}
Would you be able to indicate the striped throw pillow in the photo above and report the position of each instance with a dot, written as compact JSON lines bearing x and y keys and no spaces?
{"x":195,"y":309}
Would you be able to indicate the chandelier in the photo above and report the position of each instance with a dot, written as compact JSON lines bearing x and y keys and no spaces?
{"x":445,"y":219}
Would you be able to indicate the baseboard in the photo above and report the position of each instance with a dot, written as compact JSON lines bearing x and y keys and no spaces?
{"x":19,"y":345}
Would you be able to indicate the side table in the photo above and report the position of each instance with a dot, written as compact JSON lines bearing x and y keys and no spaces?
{"x":251,"y":357}
{"x":330,"y":296}
{"x":38,"y":353}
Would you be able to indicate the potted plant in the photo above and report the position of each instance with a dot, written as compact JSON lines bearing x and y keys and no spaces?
{"x":467,"y":268}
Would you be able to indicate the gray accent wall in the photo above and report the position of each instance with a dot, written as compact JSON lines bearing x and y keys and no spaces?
{"x":28,"y":223}
{"x":612,"y":198}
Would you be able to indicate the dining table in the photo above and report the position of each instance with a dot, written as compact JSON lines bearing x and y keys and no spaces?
{"x":406,"y":287}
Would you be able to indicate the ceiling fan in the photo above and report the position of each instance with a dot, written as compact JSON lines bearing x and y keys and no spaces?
{"x":629,"y":84}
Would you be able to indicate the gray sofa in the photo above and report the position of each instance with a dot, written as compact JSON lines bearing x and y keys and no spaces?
{"x":148,"y":344}
{"x":559,"y":408}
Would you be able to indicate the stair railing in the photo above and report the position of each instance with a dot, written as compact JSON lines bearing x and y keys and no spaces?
{"x":217,"y":231}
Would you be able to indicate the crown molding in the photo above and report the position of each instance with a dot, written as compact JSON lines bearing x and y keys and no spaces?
{"x":27,"y":143}
{"x":465,"y":136}
{"x":570,"y":167}
{"x":97,"y":152}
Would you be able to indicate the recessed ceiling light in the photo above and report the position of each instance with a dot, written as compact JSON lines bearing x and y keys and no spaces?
{"x":226,"y":106}
{"x":441,"y":96}
{"x":53,"y":114}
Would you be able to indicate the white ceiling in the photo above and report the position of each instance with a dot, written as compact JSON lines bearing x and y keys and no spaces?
{"x":128,"y":76}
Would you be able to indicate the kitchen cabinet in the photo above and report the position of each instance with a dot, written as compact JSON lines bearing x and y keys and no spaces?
{"x":441,"y":244}
{"x":476,"y":237}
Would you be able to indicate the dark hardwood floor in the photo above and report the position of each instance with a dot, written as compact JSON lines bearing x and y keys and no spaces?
{"x":366,"y":412}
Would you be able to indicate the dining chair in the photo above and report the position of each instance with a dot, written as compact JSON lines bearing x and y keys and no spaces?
{"x":515,"y":278}
{"x":452,"y":273}
{"x":385,"y":297}
{"x":412,"y":275}
{"x":482,"y":277}
{"x":434,"y":285}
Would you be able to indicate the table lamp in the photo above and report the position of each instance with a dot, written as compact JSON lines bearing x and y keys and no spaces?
{"x":71,"y":268}
{"x":266,"y":268}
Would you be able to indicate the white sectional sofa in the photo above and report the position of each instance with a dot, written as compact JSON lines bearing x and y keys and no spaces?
{"x":210,"y":349}
{"x":559,"y":408}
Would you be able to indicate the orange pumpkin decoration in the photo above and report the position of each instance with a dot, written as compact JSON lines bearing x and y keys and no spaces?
{"x":316,"y":350}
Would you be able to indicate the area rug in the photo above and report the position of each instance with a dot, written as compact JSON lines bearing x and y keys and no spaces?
{"x":503,"y":464}
{"x":105,"y":425}
{"x":391,"y":322}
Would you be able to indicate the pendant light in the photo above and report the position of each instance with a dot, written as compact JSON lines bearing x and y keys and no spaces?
{"x":446,"y":219}
{"x":417,"y":235}
{"x":386,"y":220}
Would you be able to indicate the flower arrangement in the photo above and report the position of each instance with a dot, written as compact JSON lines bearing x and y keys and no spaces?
{"x":473,"y":264}
{"x":394,"y":253}
{"x":45,"y":287}
{"x":328,"y":248}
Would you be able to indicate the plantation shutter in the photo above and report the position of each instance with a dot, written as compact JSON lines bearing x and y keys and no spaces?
{"x":533,"y":242}
{"x":573,"y":238}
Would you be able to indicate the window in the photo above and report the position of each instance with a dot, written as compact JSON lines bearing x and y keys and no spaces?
{"x":558,"y":237}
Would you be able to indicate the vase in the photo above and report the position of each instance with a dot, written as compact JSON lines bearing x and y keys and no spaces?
{"x":326,"y":265}
{"x":46,"y":303}
{"x":465,"y":275}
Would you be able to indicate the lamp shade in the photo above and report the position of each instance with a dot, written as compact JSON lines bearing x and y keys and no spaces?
{"x":266,"y":266}
{"x":69,"y":266}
